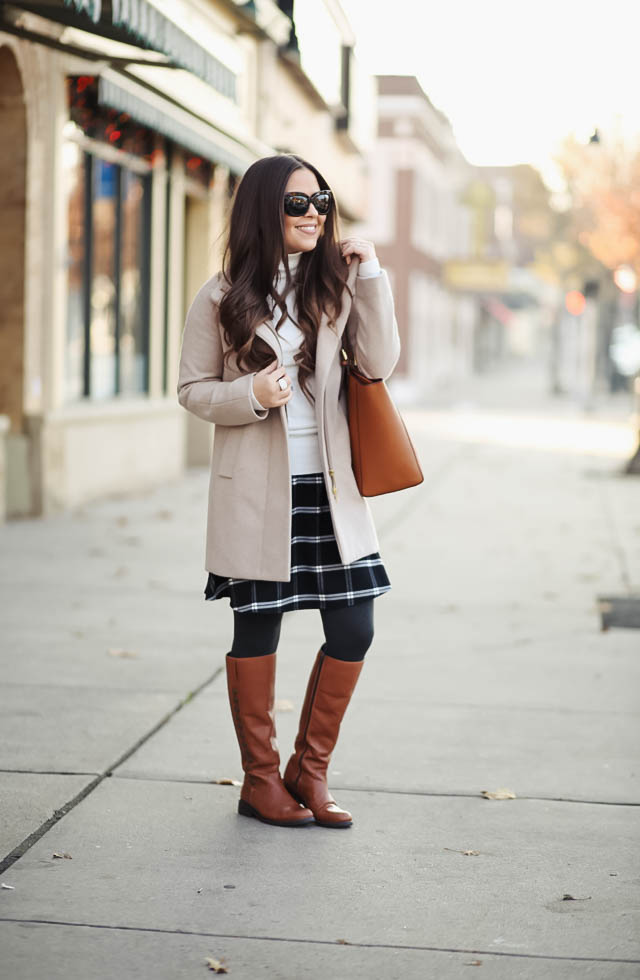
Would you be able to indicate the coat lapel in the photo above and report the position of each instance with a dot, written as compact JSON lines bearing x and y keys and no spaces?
{"x":267,"y":334}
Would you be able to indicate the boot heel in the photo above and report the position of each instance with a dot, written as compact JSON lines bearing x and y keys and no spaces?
{"x":246,"y":810}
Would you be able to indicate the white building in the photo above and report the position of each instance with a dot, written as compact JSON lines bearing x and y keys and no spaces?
{"x":418,"y":222}
{"x":126,"y":125}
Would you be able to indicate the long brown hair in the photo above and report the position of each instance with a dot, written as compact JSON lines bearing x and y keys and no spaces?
{"x":255,"y":247}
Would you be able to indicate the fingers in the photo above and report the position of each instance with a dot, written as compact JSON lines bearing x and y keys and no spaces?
{"x":268,"y":389}
{"x":357,"y":246}
{"x":270,"y":368}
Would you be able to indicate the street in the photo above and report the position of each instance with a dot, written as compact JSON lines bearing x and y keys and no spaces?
{"x":489,"y":671}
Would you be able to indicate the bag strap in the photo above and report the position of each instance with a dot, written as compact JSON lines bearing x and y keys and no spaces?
{"x":348,"y":357}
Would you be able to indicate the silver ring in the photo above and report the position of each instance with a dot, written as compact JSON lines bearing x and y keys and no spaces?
{"x":283,"y":384}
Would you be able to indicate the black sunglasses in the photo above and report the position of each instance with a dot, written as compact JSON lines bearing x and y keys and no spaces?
{"x":296,"y":203}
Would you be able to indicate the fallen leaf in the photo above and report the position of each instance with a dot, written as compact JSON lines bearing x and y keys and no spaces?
{"x":343,"y":942}
{"x":570,"y":898}
{"x":164,"y":515}
{"x":474,"y":963}
{"x":125,"y":654}
{"x":466,"y":853}
{"x":226,"y":782}
{"x":284,"y":705}
{"x":216,"y":965}
{"x":12,"y":887}
{"x":65,"y":855}
{"x":498,"y":794}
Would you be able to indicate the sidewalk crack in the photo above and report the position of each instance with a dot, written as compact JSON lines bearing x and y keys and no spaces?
{"x":40,"y":831}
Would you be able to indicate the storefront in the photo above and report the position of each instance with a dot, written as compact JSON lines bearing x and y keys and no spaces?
{"x":124,"y":132}
{"x":115,"y":193}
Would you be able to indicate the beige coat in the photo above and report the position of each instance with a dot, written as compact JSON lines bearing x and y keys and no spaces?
{"x":249,"y":517}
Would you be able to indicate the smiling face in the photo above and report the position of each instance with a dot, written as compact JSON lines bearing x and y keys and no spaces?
{"x":302,"y":234}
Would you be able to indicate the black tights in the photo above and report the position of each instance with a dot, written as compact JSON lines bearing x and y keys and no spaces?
{"x":348,"y":632}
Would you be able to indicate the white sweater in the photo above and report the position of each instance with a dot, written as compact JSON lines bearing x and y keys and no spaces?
{"x":304,"y":448}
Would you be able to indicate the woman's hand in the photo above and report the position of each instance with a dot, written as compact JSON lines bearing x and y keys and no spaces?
{"x":357,"y":246}
{"x":266,"y":386}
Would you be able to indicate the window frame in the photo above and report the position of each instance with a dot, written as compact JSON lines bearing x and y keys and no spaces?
{"x":122,"y":160}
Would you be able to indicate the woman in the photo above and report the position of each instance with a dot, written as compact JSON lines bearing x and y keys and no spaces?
{"x":287,"y":527}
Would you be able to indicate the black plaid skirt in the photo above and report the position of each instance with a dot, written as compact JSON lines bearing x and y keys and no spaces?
{"x":318,"y":579}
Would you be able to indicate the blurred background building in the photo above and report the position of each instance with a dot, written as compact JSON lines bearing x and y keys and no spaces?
{"x":418,"y":221}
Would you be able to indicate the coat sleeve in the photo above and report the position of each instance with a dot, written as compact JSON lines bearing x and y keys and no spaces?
{"x":372,"y":328}
{"x":201,"y":389}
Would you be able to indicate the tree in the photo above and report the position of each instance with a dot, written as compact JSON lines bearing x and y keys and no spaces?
{"x":603,"y":184}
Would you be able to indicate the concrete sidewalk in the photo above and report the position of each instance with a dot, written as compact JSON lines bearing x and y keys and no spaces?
{"x":488,"y":670}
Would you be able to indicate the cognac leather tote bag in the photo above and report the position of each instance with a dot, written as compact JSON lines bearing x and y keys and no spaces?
{"x":382,"y":454}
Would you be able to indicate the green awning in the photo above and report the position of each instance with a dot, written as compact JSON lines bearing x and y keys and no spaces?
{"x":152,"y":30}
{"x":153,"y":111}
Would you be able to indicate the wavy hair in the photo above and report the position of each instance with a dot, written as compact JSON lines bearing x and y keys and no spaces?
{"x":254,"y":249}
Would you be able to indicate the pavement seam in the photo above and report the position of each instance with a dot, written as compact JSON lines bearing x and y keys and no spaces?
{"x":59,"y":813}
{"x":383,"y":790}
{"x":322,"y":942}
{"x":50,"y":772}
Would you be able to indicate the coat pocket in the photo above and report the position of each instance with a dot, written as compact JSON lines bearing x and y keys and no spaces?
{"x":226,"y":444}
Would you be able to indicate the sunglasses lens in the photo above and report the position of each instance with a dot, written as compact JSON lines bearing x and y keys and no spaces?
{"x":322,"y":201}
{"x":296,"y":205}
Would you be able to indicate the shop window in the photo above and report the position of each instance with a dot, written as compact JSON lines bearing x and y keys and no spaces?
{"x":108,"y":201}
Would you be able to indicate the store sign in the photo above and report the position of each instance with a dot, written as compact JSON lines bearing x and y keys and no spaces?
{"x":476,"y":275}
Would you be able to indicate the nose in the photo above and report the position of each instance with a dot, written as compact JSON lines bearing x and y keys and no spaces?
{"x":311,"y":210}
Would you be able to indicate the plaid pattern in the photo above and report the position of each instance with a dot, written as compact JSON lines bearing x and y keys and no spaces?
{"x":318,"y":579}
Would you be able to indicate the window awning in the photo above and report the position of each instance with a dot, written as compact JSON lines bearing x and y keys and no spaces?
{"x":157,"y":113}
{"x":145,"y":25}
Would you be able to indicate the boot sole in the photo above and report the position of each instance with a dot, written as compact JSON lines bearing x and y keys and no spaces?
{"x":336,"y":826}
{"x":248,"y":811}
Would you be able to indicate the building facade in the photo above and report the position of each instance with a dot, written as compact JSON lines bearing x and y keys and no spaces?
{"x":418,"y":221}
{"x":127,"y":126}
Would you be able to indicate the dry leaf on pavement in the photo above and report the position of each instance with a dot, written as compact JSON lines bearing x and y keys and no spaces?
{"x":65,"y":855}
{"x":498,"y":794}
{"x":216,"y":965}
{"x":225,"y":781}
{"x":284,"y":705}
{"x":115,"y":652}
{"x":572,"y":898}
{"x":468,"y":853}
{"x":474,"y":963}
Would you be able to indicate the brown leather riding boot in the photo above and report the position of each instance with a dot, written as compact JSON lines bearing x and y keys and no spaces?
{"x":328,"y":693}
{"x":251,"y":682}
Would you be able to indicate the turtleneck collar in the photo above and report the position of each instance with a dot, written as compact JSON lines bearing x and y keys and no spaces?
{"x":293,"y":258}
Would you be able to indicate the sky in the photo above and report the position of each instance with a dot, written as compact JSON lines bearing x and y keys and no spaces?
{"x":515,"y":77}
